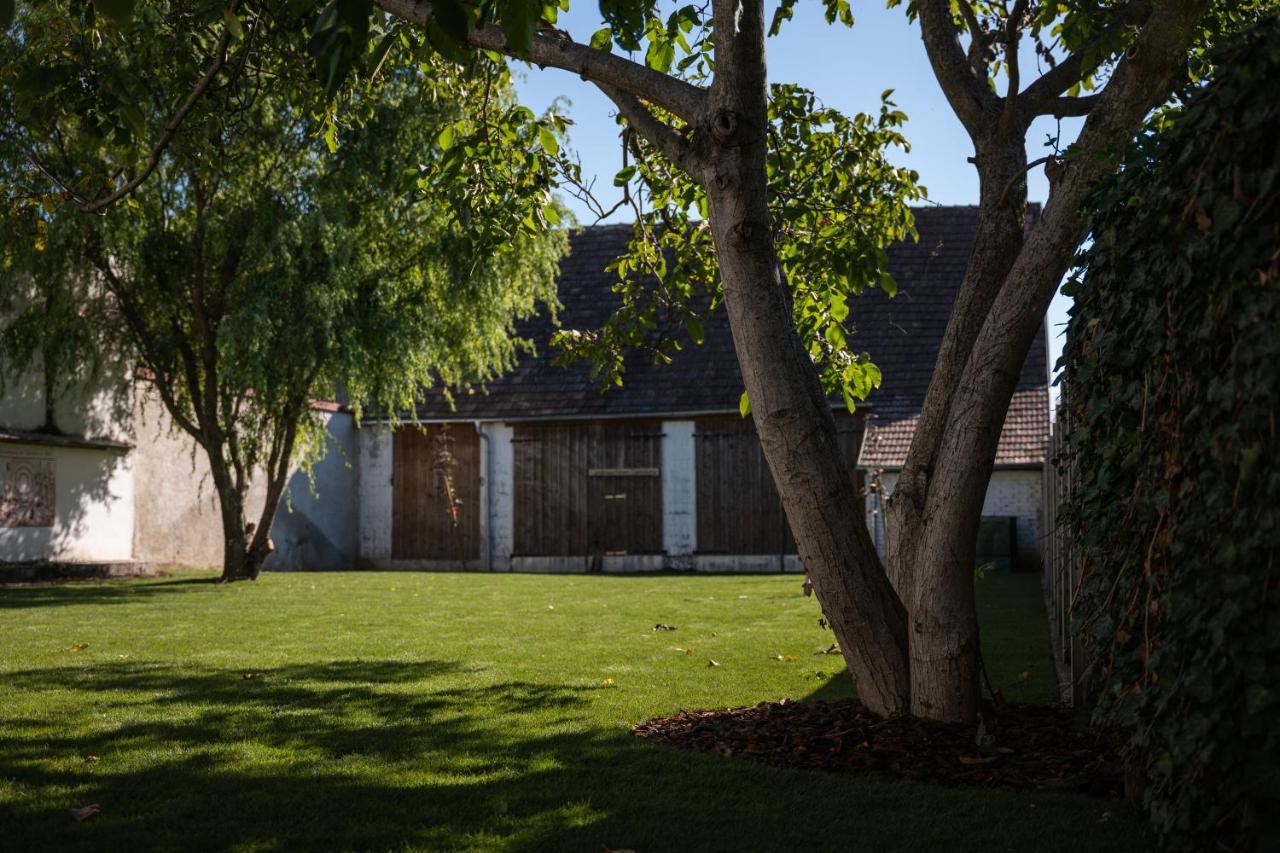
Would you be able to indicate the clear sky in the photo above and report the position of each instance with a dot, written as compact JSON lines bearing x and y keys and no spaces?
{"x":847,"y":69}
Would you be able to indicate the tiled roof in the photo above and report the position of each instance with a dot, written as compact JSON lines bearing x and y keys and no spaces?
{"x":902,"y":334}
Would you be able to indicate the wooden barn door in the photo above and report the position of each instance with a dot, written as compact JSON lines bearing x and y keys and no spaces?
{"x":435,"y":494}
{"x":739,"y":510}
{"x":588,"y":489}
{"x":624,"y":486}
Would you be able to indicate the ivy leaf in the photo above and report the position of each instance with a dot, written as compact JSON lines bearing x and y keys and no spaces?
{"x":119,"y":11}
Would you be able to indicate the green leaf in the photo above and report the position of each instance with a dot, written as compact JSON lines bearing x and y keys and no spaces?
{"x":624,"y":176}
{"x":6,"y":13}
{"x":445,"y":138}
{"x":233,"y":24}
{"x":744,"y":404}
{"x":694,"y":327}
{"x":601,"y":39}
{"x":548,"y":141}
{"x":518,"y":19}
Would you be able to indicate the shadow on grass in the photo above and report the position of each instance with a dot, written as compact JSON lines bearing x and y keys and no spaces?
{"x":389,"y":754}
{"x":71,"y":592}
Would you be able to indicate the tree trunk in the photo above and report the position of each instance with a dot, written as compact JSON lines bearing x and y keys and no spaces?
{"x":943,"y":630}
{"x":791,"y":413}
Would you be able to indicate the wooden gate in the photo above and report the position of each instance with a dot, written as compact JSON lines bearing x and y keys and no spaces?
{"x":435,"y":493}
{"x":584,"y":489}
{"x":739,"y":509}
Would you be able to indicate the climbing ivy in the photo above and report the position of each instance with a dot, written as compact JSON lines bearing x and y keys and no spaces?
{"x":1171,"y":361}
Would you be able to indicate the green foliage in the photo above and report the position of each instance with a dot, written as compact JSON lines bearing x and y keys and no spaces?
{"x":296,"y":239}
{"x":1172,"y":393}
{"x":837,"y":204}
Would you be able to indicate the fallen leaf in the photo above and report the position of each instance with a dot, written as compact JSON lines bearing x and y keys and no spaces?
{"x":249,"y":676}
{"x":85,"y":812}
{"x":792,"y":658}
{"x":662,"y":627}
{"x":123,"y":657}
{"x":608,"y":682}
{"x":92,"y":759}
{"x":712,"y":662}
{"x":78,"y":647}
{"x":551,"y":607}
{"x":776,"y":657}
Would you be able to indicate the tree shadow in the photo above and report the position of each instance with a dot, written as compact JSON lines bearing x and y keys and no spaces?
{"x":387,"y":754}
{"x":68,"y":593}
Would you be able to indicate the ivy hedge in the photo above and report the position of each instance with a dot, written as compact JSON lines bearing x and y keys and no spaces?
{"x":1172,"y":365}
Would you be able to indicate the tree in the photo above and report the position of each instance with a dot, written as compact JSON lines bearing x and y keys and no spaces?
{"x":908,"y":629}
{"x":268,"y":260}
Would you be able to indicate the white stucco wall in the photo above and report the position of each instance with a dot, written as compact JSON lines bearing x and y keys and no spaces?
{"x":1011,"y":492}
{"x":500,"y":493}
{"x":373,"y":490}
{"x":679,"y":494}
{"x":93,"y":515}
{"x":315,"y":524}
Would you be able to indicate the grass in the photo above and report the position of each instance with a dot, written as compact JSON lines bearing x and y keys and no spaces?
{"x":455,"y":711}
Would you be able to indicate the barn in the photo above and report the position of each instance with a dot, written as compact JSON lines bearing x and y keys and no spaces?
{"x":542,"y":471}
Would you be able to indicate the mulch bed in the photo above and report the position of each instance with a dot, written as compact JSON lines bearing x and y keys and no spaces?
{"x":1017,"y":746}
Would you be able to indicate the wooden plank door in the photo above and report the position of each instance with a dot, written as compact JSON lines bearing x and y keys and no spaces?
{"x":625,"y":488}
{"x":435,"y":493}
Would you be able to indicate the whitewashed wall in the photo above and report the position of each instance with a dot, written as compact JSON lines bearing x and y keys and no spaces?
{"x":1011,"y":492}
{"x":679,"y":494}
{"x":373,"y":493}
{"x":93,"y":508}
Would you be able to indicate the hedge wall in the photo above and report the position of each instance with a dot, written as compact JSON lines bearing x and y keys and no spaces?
{"x":1172,"y":362}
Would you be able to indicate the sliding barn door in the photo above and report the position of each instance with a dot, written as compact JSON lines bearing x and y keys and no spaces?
{"x":588,"y":489}
{"x":435,"y":493}
{"x":739,"y":509}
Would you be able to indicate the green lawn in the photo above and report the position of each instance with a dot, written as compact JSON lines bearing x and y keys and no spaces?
{"x":453,"y":711}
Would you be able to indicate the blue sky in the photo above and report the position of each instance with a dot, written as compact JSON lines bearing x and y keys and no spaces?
{"x":847,"y":69}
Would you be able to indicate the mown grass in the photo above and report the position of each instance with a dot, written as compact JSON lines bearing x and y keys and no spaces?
{"x":454,"y":711}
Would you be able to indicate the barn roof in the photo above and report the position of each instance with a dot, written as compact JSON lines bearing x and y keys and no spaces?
{"x":902,"y":334}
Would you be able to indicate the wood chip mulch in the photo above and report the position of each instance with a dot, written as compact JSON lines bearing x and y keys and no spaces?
{"x":1017,"y":746}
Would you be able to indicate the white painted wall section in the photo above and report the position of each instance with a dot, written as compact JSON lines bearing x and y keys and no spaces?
{"x":374,"y":486}
{"x":1014,"y":492}
{"x":93,"y":508}
{"x":679,"y":494}
{"x":500,"y":494}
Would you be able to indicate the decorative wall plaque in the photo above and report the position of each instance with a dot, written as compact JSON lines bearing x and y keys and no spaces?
{"x":26,"y":491}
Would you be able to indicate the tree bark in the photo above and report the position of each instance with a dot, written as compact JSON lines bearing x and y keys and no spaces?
{"x":999,"y":312}
{"x":792,"y":415}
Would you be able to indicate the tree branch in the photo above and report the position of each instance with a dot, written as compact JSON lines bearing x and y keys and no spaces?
{"x":1012,"y":35}
{"x":170,"y":129}
{"x":1072,"y":107}
{"x":1042,"y":95}
{"x":598,"y":66}
{"x":970,"y":98}
{"x":659,"y":134}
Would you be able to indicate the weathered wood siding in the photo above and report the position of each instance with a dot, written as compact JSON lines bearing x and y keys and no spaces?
{"x":591,"y":488}
{"x":739,"y":511}
{"x":422,"y":527}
